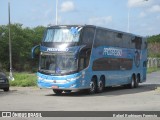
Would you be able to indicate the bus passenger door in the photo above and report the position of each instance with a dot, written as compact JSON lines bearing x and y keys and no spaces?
{"x":84,"y":59}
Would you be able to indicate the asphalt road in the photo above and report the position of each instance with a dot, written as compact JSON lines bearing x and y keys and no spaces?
{"x":143,"y":98}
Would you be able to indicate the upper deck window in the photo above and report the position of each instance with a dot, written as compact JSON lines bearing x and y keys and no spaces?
{"x":88,"y":36}
{"x":65,"y":35}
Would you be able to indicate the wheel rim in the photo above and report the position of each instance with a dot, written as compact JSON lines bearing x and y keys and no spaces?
{"x":92,"y":87}
{"x":133,"y":82}
{"x":100,"y":85}
{"x":137,"y":81}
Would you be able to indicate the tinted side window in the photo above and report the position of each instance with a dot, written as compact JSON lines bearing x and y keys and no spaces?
{"x":137,"y":41}
{"x":81,"y":63}
{"x":104,"y":38}
{"x":126,"y":41}
{"x":84,"y":59}
{"x":144,"y":44}
{"x":101,"y":38}
{"x":110,"y":38}
{"x":118,"y":40}
{"x":106,"y":64}
{"x":88,"y":36}
{"x":125,"y":64}
{"x":101,"y":64}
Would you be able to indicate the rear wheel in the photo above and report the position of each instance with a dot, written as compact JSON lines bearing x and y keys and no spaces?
{"x":93,"y":86}
{"x":137,"y":81}
{"x":133,"y":83}
{"x":58,"y":92}
{"x":101,"y":85}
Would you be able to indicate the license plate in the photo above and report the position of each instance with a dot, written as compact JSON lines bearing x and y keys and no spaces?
{"x":55,"y":87}
{"x":2,"y":81}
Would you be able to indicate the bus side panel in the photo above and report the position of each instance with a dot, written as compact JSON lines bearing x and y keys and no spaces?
{"x":113,"y":76}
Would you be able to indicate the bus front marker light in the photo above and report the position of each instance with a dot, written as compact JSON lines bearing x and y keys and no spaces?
{"x":72,"y":79}
{"x":39,"y":78}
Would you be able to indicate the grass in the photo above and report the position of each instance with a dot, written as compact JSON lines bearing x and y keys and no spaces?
{"x":158,"y":89}
{"x":24,"y":79}
{"x":152,"y":69}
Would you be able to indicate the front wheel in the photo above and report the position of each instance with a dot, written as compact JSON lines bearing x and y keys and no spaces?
{"x":57,"y":92}
{"x":67,"y":91}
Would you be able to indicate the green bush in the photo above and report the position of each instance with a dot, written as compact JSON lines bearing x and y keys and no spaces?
{"x":24,"y":80}
{"x":152,"y":69}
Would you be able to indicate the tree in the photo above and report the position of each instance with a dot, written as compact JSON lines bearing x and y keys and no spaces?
{"x":154,"y":38}
{"x":23,"y":39}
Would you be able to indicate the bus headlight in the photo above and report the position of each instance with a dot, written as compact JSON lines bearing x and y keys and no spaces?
{"x":72,"y":79}
{"x":39,"y":78}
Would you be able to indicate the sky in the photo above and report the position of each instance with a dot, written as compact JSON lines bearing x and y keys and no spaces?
{"x":140,"y":17}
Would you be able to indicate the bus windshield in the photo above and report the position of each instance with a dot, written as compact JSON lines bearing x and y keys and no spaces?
{"x":58,"y":64}
{"x":66,"y":35}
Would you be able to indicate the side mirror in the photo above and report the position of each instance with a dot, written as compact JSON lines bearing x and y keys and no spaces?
{"x":34,"y":51}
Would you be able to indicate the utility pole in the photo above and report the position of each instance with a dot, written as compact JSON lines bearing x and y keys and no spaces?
{"x":129,"y":10}
{"x":10,"y":45}
{"x":56,"y":12}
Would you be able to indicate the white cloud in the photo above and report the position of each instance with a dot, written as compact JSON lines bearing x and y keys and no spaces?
{"x":67,"y":6}
{"x":139,"y":3}
{"x":155,"y":8}
{"x":152,"y":6}
{"x":142,"y":14}
{"x":100,"y":20}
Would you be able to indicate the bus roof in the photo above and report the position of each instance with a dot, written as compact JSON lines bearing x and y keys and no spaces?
{"x":65,"y":26}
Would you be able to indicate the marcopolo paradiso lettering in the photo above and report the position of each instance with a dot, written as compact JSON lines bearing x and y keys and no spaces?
{"x":57,"y":49}
{"x":112,"y":51}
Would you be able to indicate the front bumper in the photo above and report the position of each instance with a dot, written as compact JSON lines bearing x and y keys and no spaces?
{"x":51,"y":84}
{"x":4,"y":85}
{"x":68,"y":82}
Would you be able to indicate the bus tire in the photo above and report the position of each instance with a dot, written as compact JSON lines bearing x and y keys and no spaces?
{"x":93,"y":86}
{"x":67,"y":91}
{"x":101,"y":85}
{"x":6,"y":89}
{"x":58,"y":92}
{"x":133,"y":82}
{"x":137,"y":81}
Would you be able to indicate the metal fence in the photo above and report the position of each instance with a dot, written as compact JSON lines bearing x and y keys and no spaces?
{"x":153,"y":62}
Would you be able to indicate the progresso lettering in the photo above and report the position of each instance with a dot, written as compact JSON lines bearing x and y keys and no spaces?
{"x":112,"y":51}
